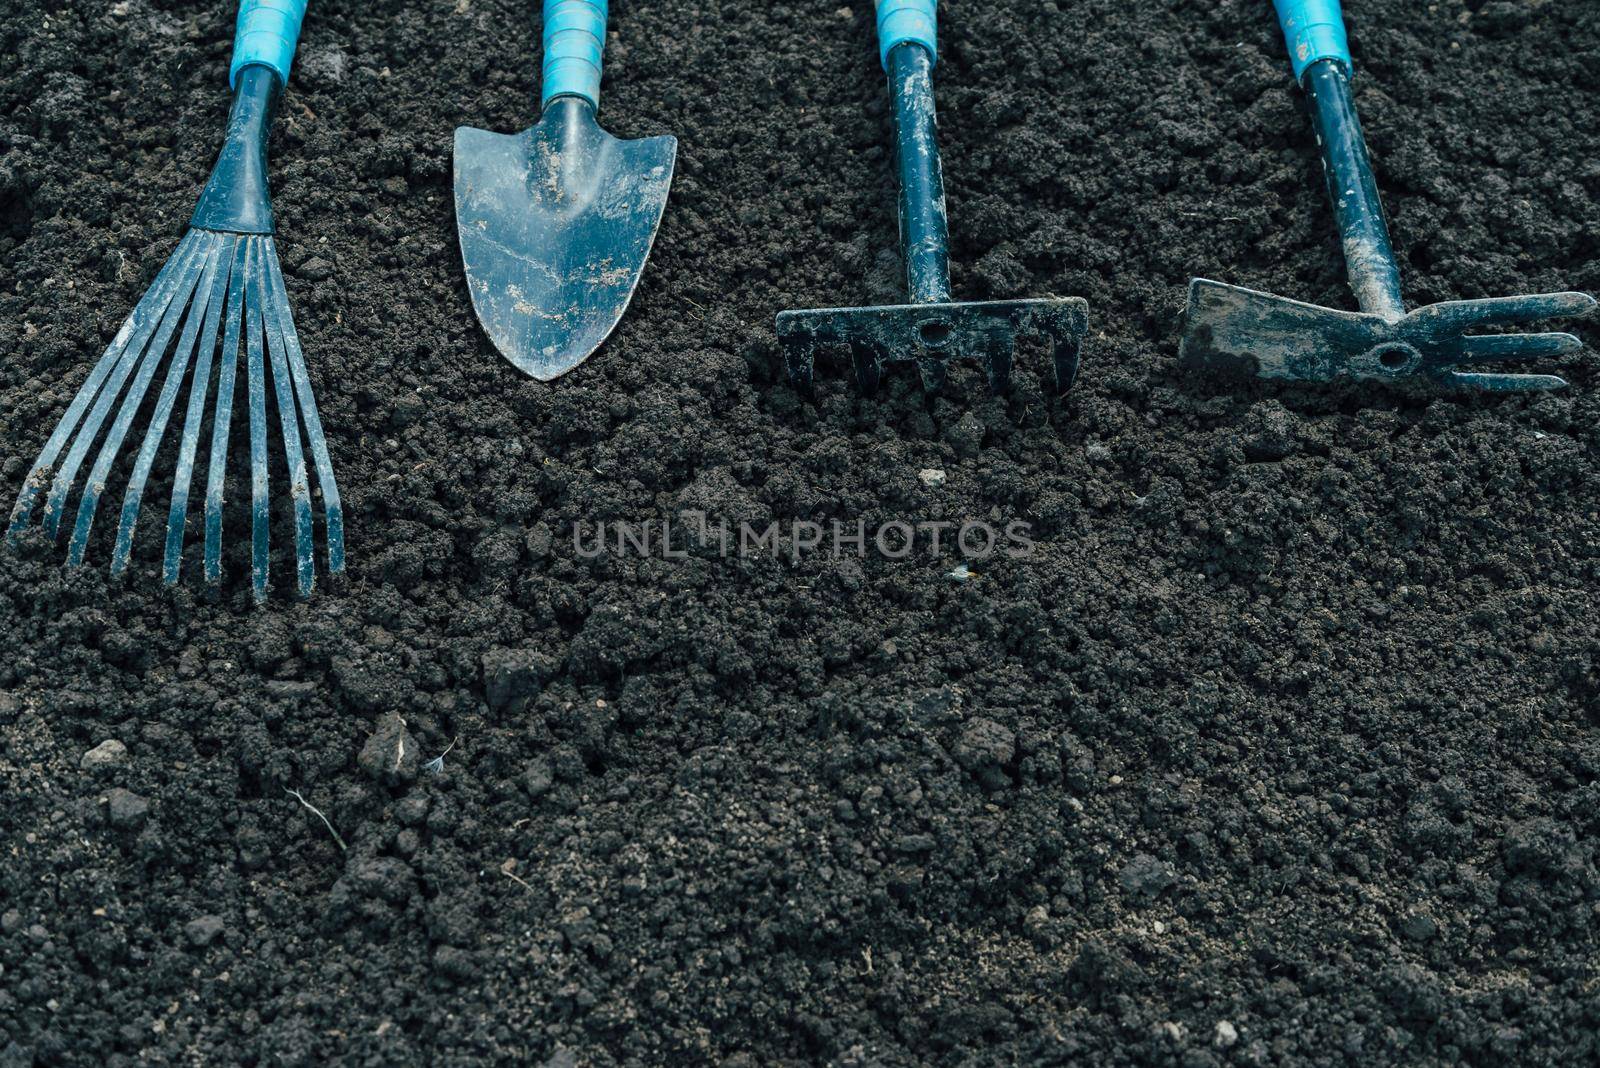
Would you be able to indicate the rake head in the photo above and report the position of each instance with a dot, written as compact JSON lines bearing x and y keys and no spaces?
{"x":930,"y":335}
{"x":1246,"y":332}
{"x":216,"y":284}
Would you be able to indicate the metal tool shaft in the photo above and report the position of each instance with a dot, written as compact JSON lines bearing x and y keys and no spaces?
{"x":1368,"y":253}
{"x":924,"y":228}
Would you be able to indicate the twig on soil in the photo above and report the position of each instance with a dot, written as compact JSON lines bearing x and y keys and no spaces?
{"x":297,"y":796}
{"x":508,"y":869}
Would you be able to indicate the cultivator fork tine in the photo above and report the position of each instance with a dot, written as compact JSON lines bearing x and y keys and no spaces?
{"x":1484,"y":348}
{"x":1449,"y":318}
{"x":227,"y":376}
{"x":332,"y":508}
{"x":183,"y":475}
{"x":1504,"y":383}
{"x":134,"y":333}
{"x":198,"y":309}
{"x":293,"y":454}
{"x":146,"y":364}
{"x":256,"y":384}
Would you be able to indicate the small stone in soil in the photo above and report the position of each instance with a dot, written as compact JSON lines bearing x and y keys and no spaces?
{"x":108,"y":753}
{"x":1145,"y":876}
{"x":1418,"y":927}
{"x":203,"y":930}
{"x":126,"y":809}
{"x":390,"y":753}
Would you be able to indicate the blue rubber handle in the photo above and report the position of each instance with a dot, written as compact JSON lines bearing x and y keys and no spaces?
{"x":574,"y":43}
{"x":265,"y":32}
{"x":1313,"y":30}
{"x":900,"y":21}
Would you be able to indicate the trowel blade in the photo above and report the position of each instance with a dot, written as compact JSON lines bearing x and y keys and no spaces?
{"x":555,"y":224}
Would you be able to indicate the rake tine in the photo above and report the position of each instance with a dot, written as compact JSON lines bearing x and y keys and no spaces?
{"x":227,"y":374}
{"x":799,"y":358}
{"x":299,"y":477}
{"x":147,"y":363}
{"x":259,"y":559}
{"x":159,"y":299}
{"x":177,"y":514}
{"x":333,"y":511}
{"x":198,"y":309}
{"x":1066,"y":352}
{"x":866,"y":354}
{"x":997,"y":361}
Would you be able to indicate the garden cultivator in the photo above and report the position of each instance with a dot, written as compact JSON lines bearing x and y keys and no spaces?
{"x":222,"y":280}
{"x":1237,"y":329}
{"x":931,"y":330}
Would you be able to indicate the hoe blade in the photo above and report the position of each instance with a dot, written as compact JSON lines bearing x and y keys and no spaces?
{"x":930,"y":335}
{"x":555,"y":224}
{"x":1247,"y":332}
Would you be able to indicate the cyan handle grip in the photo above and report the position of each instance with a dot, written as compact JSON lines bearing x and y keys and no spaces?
{"x":265,"y":32}
{"x":1313,"y":30}
{"x":900,"y":21}
{"x":574,"y":44}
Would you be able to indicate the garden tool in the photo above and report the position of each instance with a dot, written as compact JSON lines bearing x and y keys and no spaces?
{"x":931,"y":329}
{"x":222,"y":280}
{"x":556,"y":222}
{"x":1242,"y":330}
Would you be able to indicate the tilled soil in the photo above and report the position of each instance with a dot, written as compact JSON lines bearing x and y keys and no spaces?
{"x":1280,"y":748}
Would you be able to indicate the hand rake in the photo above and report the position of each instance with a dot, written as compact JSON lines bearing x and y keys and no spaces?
{"x":1244,"y":331}
{"x":932,"y":329}
{"x":222,"y":280}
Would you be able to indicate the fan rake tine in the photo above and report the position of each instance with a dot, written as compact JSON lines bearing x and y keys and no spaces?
{"x":333,"y":511}
{"x":256,"y":370}
{"x":227,"y":373}
{"x":130,"y":340}
{"x":199,"y":312}
{"x":177,"y":514}
{"x":146,"y":363}
{"x":289,"y":421}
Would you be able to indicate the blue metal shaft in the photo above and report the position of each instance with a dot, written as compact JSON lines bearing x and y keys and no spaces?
{"x":924,"y":229}
{"x":1368,"y":253}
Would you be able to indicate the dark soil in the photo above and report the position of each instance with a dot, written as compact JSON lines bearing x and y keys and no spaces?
{"x":1282,"y":748}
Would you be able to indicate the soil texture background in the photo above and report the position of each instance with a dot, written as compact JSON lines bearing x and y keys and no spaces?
{"x":1280,"y":749}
